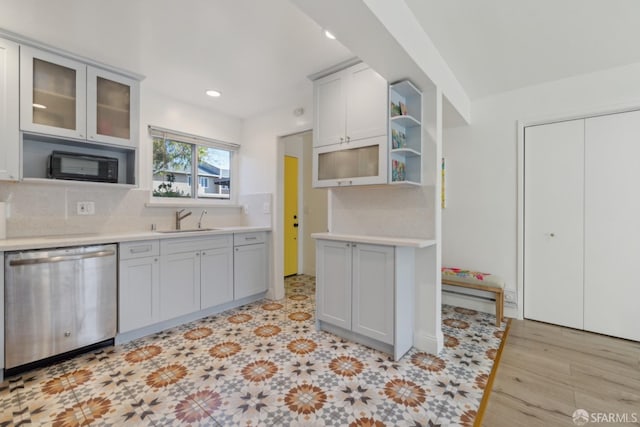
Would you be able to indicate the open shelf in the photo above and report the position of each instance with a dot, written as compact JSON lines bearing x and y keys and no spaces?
{"x":406,"y":183}
{"x":405,"y":134}
{"x":67,"y":182}
{"x":37,"y":148}
{"x":406,"y":121}
{"x":405,"y":151}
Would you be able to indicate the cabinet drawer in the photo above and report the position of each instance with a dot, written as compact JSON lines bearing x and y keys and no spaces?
{"x":176,"y":246}
{"x":248,"y":238}
{"x":131,"y":250}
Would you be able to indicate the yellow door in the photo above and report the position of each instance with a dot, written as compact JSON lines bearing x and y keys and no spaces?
{"x":290,"y":215}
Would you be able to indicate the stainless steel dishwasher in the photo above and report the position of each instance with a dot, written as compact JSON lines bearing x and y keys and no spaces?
{"x":58,"y":300}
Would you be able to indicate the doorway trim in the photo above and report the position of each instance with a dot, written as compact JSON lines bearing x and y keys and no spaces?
{"x":279,"y":200}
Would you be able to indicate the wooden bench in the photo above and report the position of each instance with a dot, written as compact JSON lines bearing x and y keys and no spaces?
{"x":479,"y":281}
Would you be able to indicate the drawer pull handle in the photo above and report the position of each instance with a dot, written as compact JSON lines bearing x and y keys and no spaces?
{"x":250,"y":238}
{"x":140,"y":249}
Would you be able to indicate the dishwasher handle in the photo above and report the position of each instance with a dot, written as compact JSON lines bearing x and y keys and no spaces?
{"x":61,"y":258}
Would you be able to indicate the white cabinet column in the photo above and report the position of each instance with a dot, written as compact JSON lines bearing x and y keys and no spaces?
{"x":9,"y":109}
{"x":1,"y":316}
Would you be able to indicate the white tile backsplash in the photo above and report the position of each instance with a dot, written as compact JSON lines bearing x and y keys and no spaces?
{"x":45,"y":209}
{"x":253,"y":209}
{"x":388,"y":211}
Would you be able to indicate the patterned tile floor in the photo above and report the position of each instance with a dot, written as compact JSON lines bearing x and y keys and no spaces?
{"x":263,"y":364}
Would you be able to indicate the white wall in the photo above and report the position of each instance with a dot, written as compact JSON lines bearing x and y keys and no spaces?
{"x":479,"y":225}
{"x":261,"y":168}
{"x":159,"y":110}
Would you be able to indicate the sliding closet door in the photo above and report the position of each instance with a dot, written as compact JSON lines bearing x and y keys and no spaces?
{"x":612,"y":225}
{"x":553,"y":223}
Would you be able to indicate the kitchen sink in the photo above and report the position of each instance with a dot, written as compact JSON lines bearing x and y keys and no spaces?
{"x":189,"y":230}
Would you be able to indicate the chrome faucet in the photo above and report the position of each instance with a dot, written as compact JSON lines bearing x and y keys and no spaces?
{"x":181,"y":217}
{"x":200,"y":220}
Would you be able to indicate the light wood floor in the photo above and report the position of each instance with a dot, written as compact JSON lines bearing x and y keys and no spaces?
{"x":547,"y":372}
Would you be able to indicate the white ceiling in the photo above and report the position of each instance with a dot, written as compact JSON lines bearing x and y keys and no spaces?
{"x":258,"y":53}
{"x":498,"y":45}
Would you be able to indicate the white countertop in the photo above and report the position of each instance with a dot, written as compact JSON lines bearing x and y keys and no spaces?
{"x":375,"y":240}
{"x":56,"y":241}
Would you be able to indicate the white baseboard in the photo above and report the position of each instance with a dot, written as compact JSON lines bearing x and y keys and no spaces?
{"x":122,"y":338}
{"x":427,"y":342}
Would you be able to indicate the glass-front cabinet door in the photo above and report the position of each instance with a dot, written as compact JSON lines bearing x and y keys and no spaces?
{"x":362,"y":162}
{"x":112,"y":107}
{"x":53,"y":94}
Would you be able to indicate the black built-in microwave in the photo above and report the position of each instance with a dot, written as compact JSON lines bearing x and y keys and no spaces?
{"x":82,"y":167}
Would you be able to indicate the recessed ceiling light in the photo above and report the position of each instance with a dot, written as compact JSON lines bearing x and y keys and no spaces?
{"x":328,"y":35}
{"x":42,"y":107}
{"x":213,"y":93}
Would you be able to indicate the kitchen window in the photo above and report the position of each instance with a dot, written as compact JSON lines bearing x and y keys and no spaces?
{"x":187,"y":166}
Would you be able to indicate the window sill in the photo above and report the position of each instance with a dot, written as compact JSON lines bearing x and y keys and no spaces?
{"x":191,"y":203}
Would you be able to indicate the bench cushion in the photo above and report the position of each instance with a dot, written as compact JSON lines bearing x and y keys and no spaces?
{"x":472,"y":277}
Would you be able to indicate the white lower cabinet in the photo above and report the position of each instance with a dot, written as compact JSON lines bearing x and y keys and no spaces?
{"x":187,"y":274}
{"x":356,"y":290}
{"x":216,"y":277}
{"x":333,"y":283}
{"x":139,"y":285}
{"x":372,"y":291}
{"x":179,"y":284}
{"x":161,"y":280}
{"x":249,"y":264}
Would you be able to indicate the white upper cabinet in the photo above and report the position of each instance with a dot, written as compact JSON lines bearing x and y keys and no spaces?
{"x":9,"y":117}
{"x":112,"y":107}
{"x":70,"y":99}
{"x":52,"y":94}
{"x":350,"y":128}
{"x":366,"y":103}
{"x":330,"y":110}
{"x":362,"y":162}
{"x":349,"y":105}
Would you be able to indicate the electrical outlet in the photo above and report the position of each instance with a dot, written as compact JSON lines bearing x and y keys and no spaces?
{"x":266,"y":207}
{"x":86,"y":208}
{"x":510,"y":297}
{"x":245,"y":209}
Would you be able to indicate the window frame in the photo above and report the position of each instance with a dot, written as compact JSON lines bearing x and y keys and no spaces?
{"x":194,"y":140}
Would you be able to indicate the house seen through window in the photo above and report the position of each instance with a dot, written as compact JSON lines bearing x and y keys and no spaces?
{"x":185,"y":166}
